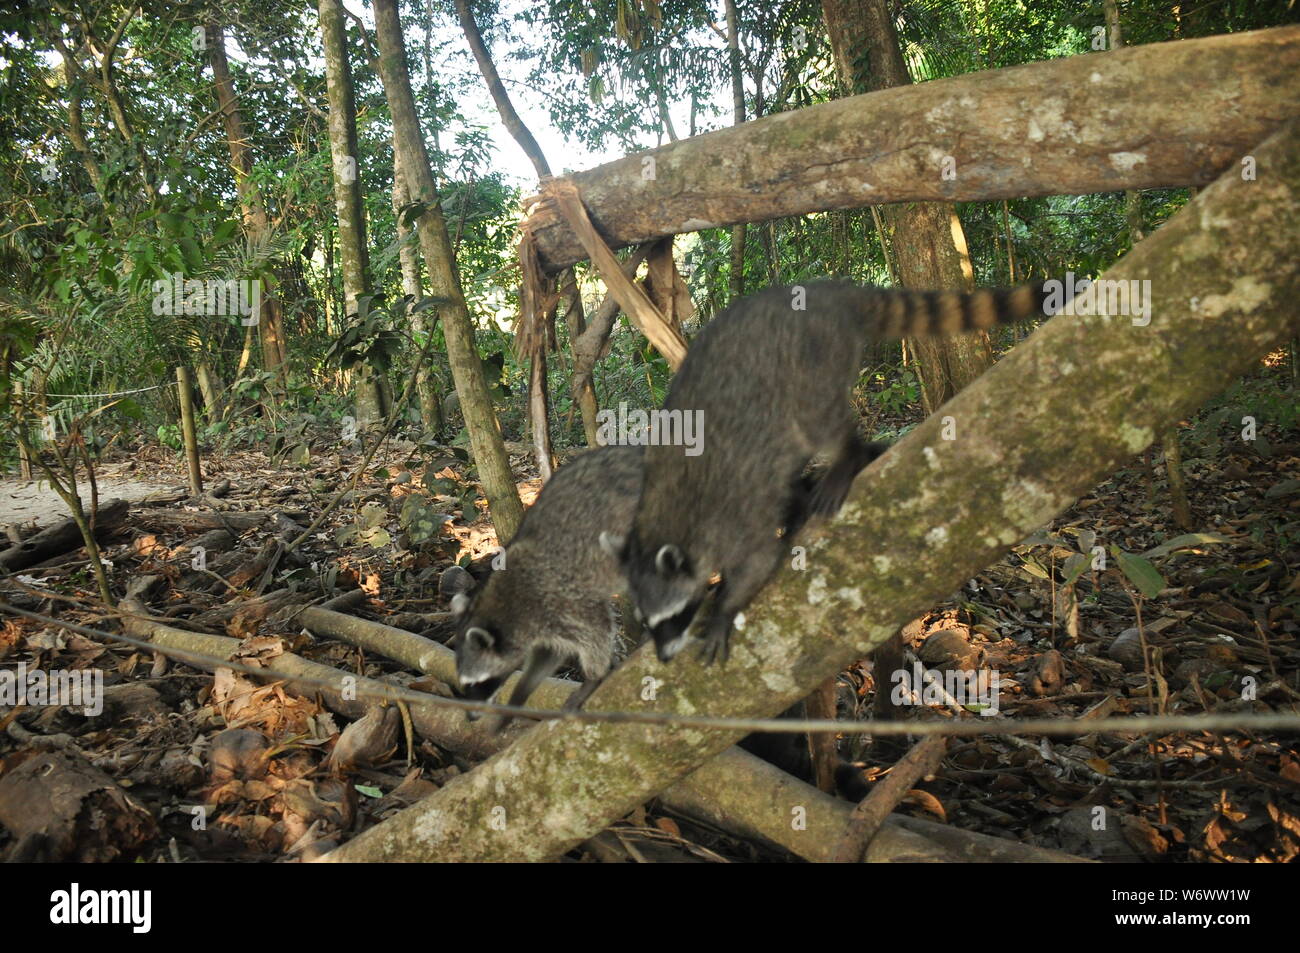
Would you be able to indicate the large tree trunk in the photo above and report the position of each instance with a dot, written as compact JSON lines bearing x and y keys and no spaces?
{"x":583,"y":391}
{"x":1154,"y":116}
{"x":76,"y":126}
{"x":423,"y":323}
{"x":256,"y":224}
{"x":538,"y":398}
{"x":932,"y":513}
{"x":466,"y":368}
{"x":348,"y":206}
{"x":927,"y":238}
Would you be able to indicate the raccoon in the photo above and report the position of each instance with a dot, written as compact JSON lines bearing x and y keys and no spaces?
{"x":773,"y":381}
{"x":551,"y":600}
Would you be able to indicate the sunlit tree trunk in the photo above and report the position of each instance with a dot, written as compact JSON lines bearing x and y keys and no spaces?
{"x":347,"y":196}
{"x":928,"y":242}
{"x":466,"y":367}
{"x":567,"y":283}
{"x":256,"y":224}
{"x":423,"y":323}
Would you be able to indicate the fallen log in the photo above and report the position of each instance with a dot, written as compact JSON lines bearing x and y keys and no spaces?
{"x":414,"y":651}
{"x":744,"y":794}
{"x":178,"y":521}
{"x":348,"y":698}
{"x":61,"y":538}
{"x":870,"y":814}
{"x":1152,"y":116}
{"x":736,"y":791}
{"x":925,"y":518}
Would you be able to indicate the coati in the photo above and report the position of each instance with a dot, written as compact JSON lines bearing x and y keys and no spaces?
{"x":550,"y":602}
{"x":772,"y":375}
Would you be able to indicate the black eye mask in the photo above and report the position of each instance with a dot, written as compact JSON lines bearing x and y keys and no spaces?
{"x":478,"y":692}
{"x":672,"y":628}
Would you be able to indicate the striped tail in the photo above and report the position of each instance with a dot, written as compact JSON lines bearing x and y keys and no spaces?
{"x":899,"y":313}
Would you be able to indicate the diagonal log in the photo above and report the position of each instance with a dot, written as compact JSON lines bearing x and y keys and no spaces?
{"x":735,"y":790}
{"x":1154,"y":116}
{"x":631,"y":297}
{"x":1048,"y":422}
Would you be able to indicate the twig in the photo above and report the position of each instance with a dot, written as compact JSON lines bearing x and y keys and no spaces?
{"x":870,"y":814}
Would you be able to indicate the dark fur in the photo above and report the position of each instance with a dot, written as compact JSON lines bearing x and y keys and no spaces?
{"x":774,"y":386}
{"x":551,"y":603}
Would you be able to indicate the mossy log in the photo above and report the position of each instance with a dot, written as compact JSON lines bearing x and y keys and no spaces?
{"x":1152,"y":116}
{"x":1067,"y":407}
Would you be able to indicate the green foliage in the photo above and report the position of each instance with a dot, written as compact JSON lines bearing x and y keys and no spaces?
{"x":895,"y":392}
{"x":169,"y":435}
{"x":1140,"y":572}
{"x":84,"y":236}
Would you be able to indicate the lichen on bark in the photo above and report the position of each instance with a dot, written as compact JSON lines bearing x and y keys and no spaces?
{"x":1026,"y":423}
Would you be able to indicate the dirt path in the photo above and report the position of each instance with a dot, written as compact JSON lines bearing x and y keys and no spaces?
{"x":26,"y":503}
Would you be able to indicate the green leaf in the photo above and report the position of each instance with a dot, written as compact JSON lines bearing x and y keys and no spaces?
{"x":1075,"y":567}
{"x":1033,"y":567}
{"x":1140,"y":572}
{"x":369,"y":790}
{"x":1186,"y":541}
{"x":224,"y":231}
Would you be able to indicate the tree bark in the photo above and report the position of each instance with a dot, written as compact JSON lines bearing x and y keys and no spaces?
{"x":466,"y":368}
{"x":422,"y":322}
{"x":1178,"y":502}
{"x":76,"y":127}
{"x":61,"y":538}
{"x":538,"y":404}
{"x":539,"y":413}
{"x":1153,"y":116}
{"x":581,"y":389}
{"x":348,"y":207}
{"x":928,"y":241}
{"x":934,"y":513}
{"x":509,"y":117}
{"x":256,"y":224}
{"x":735,"y":791}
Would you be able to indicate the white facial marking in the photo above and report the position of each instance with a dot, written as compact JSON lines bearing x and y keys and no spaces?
{"x":672,"y":648}
{"x":668,"y":613}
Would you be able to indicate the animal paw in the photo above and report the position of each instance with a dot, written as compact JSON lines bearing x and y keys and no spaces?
{"x":715,"y":648}
{"x":828,"y":496}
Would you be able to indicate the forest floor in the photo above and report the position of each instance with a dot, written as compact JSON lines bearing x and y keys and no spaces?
{"x":1066,"y":640}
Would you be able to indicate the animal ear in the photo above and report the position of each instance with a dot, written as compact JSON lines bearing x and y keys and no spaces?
{"x":459,"y":603}
{"x":669,"y":560}
{"x":478,"y":638}
{"x":613,"y":543}
{"x":455,"y":582}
